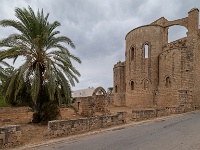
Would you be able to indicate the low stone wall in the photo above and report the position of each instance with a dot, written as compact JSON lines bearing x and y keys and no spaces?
{"x":143,"y":114}
{"x":10,"y":135}
{"x":138,"y":115}
{"x":69,"y":127}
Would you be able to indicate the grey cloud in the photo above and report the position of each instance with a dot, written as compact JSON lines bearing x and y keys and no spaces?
{"x":98,"y":28}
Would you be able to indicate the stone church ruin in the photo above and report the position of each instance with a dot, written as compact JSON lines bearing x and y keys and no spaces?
{"x":97,"y":102}
{"x":158,"y":74}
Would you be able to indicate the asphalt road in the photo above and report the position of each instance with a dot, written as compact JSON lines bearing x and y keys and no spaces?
{"x":181,"y":132}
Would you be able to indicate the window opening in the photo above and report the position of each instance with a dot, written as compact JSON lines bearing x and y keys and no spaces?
{"x":146,"y":84}
{"x":132,"y":85}
{"x":132,"y":53}
{"x":168,"y":82}
{"x":146,"y":51}
{"x":115,"y":88}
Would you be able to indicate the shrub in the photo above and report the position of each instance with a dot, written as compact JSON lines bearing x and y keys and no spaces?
{"x":49,"y":111}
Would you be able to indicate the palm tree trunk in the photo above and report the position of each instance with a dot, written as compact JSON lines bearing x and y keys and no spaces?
{"x":36,"y":114}
{"x":38,"y":104}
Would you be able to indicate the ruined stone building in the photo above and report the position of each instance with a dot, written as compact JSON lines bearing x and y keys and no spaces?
{"x":156,"y":73}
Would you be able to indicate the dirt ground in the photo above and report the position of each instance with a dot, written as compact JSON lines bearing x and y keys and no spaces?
{"x":38,"y":133}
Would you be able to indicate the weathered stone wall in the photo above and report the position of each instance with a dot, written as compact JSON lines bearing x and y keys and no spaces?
{"x":140,"y":70}
{"x":92,"y":104}
{"x":194,"y":40}
{"x":143,"y":114}
{"x":69,"y":127}
{"x":10,"y":135}
{"x":175,"y":74}
{"x":100,"y":103}
{"x":119,"y":84}
{"x":196,"y":90}
{"x":88,"y":106}
{"x":138,"y":115}
{"x":110,"y":99}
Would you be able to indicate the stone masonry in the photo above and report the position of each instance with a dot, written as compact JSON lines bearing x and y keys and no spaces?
{"x":158,"y":74}
{"x":10,"y":135}
{"x":71,"y":127}
{"x":95,"y":103}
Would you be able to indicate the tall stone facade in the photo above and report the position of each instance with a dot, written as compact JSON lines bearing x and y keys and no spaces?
{"x":157,"y":73}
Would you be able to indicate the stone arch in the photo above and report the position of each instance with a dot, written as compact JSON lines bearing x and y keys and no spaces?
{"x":95,"y":103}
{"x":181,"y":22}
{"x":191,"y":22}
{"x":99,"y":91}
{"x":99,"y":97}
{"x":173,"y":30}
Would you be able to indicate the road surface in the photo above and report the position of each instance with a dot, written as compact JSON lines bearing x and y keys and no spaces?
{"x":180,"y":132}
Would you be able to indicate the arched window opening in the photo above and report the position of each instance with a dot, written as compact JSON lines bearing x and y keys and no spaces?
{"x":99,"y":92}
{"x":146,"y":84}
{"x":168,"y":82}
{"x":176,"y":32}
{"x":132,"y":85}
{"x":132,"y":53}
{"x":146,"y":51}
{"x":115,"y":88}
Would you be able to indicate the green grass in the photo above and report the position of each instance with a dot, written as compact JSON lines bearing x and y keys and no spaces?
{"x":2,"y":102}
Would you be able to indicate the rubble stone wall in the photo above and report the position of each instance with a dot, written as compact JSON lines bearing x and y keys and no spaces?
{"x":69,"y":127}
{"x":10,"y":135}
{"x":138,"y":115}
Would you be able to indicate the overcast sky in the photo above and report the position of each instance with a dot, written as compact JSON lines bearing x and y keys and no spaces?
{"x":98,"y":28}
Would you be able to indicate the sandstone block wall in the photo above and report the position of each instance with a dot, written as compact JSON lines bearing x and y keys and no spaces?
{"x":119,"y":84}
{"x":69,"y":127}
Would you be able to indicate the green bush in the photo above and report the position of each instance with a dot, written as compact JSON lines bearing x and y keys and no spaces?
{"x":49,"y":111}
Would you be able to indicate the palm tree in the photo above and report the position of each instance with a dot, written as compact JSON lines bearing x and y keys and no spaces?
{"x":4,"y":74}
{"x":4,"y":71}
{"x":47,"y":72}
